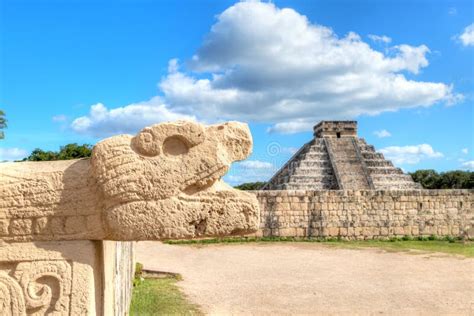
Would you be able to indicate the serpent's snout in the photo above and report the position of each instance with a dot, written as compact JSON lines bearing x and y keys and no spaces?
{"x":236,"y":140}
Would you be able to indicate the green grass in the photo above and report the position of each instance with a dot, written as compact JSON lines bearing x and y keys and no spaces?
{"x":448,"y":245}
{"x":160,"y":297}
{"x":453,"y":248}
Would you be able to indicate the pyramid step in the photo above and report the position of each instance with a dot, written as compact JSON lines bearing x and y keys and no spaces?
{"x":312,"y":171}
{"x":384,"y":170}
{"x":367,"y":148}
{"x":392,"y":178}
{"x":308,"y":178}
{"x":361,"y":141}
{"x":315,"y":156}
{"x":373,"y":156}
{"x":309,"y":186}
{"x":317,"y":147}
{"x":314,"y":163}
{"x":378,"y":163}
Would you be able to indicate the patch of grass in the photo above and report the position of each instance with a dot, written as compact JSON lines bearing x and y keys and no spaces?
{"x":455,"y":248}
{"x":449,"y":245}
{"x":160,"y":296}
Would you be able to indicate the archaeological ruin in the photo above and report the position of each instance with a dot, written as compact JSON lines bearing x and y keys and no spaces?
{"x":67,"y":227}
{"x":338,"y":186}
{"x":336,"y":159}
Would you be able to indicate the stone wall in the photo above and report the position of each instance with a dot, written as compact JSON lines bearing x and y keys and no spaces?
{"x":118,"y":273}
{"x":78,"y":277}
{"x":366,"y":214}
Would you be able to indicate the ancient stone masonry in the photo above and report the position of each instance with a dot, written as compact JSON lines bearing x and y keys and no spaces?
{"x":337,"y":159}
{"x":162,"y":183}
{"x":366,"y":214}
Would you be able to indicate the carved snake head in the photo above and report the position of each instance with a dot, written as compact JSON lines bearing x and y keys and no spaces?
{"x":168,"y":164}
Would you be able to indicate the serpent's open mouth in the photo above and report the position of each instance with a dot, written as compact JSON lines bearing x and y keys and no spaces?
{"x":204,"y":178}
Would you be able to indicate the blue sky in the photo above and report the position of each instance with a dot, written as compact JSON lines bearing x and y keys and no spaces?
{"x":79,"y":71}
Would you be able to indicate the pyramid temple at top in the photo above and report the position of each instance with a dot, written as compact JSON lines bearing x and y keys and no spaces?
{"x":336,"y":159}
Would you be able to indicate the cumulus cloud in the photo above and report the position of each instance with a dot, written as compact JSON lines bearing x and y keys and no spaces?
{"x":467,"y":37}
{"x":465,"y":151}
{"x":260,"y":63}
{"x":469,"y":165}
{"x":250,"y":171}
{"x":382,"y":133}
{"x":377,"y":38}
{"x":290,"y":127}
{"x":410,"y":154}
{"x":102,"y":121}
{"x":14,"y":153}
{"x":256,"y":164}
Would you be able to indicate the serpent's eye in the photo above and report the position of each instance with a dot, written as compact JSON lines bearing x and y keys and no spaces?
{"x":175,"y":145}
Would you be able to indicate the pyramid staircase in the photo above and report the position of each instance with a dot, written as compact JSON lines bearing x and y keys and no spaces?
{"x":308,"y":169}
{"x":336,"y":159}
{"x":350,"y":170}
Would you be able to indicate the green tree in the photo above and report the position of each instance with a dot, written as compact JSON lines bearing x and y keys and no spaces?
{"x":455,"y":179}
{"x":74,"y":151}
{"x":69,"y":151}
{"x":3,"y":123}
{"x":429,"y":178}
{"x":250,"y":186}
{"x":41,"y":155}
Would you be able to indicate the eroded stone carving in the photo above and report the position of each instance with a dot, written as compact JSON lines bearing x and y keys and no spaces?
{"x":37,"y":287}
{"x":162,"y":183}
{"x":12,"y":301}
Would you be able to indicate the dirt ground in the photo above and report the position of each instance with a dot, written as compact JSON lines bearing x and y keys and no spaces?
{"x":303,"y":279}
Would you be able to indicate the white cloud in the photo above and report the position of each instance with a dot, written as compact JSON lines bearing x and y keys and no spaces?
{"x":382,"y":133}
{"x":452,"y":11}
{"x":10,"y":154}
{"x":290,"y":127}
{"x":465,"y":151}
{"x":467,"y":37}
{"x":250,"y":171}
{"x":410,"y":154}
{"x":261,"y":63}
{"x":256,"y":164}
{"x":59,"y":118}
{"x":128,"y":119}
{"x":469,"y":165}
{"x":377,"y":38}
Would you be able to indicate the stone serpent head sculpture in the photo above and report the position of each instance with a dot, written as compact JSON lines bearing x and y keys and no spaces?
{"x":162,"y":183}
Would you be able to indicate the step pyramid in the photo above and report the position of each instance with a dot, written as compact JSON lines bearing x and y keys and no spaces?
{"x":336,"y":159}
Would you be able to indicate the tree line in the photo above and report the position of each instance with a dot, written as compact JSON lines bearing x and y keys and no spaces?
{"x":70,"y":151}
{"x":457,"y":179}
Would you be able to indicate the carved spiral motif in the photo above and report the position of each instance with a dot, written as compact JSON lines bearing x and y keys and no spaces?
{"x":12,"y":301}
{"x":55,"y":284}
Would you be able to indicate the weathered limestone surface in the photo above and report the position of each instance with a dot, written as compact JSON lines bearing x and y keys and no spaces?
{"x":161,"y":183}
{"x":366,"y":214}
{"x":55,"y":217}
{"x":336,"y":159}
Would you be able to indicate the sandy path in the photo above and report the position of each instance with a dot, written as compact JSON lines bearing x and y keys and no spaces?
{"x":296,"y":278}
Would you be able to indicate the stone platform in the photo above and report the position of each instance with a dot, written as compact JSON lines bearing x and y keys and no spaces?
{"x":336,"y":159}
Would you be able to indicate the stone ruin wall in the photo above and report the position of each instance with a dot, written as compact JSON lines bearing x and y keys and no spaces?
{"x":78,"y":277}
{"x":366,"y":214}
{"x":67,"y":227}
